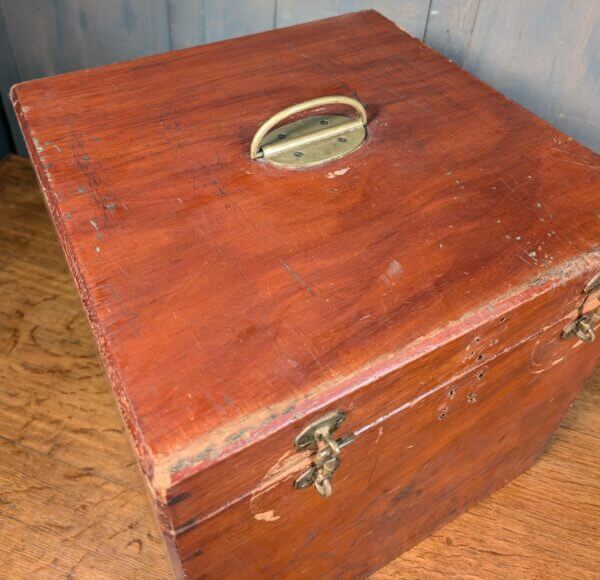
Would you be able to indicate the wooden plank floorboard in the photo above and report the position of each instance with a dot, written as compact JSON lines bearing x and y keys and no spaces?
{"x":72,"y":503}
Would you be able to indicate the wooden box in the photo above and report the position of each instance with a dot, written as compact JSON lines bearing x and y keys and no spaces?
{"x":320,"y":364}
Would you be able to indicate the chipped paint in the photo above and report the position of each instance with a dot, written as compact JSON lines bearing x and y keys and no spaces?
{"x":290,"y":463}
{"x":38,"y":146}
{"x":337,"y":173}
{"x":394,"y":269}
{"x":268,"y":516}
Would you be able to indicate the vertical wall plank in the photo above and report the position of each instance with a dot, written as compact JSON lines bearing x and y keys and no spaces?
{"x":410,"y":15}
{"x":187,"y":22}
{"x":544,"y":55}
{"x":9,"y":75}
{"x":54,"y":36}
{"x":449,"y":27}
{"x":5,"y":138}
{"x":232,"y":18}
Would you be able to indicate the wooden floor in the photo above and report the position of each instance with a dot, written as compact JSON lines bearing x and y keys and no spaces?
{"x":72,"y":503}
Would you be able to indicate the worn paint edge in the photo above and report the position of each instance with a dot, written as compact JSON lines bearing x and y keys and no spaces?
{"x":135,"y":434}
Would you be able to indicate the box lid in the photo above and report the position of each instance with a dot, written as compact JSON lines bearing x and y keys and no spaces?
{"x":229,"y":297}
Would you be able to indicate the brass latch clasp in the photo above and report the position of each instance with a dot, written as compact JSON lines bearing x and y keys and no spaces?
{"x":584,"y":326}
{"x":326,"y":460}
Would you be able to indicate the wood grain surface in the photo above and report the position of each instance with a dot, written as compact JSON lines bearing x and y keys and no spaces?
{"x":72,"y":504}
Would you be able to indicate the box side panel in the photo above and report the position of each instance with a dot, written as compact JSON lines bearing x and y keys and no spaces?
{"x":135,"y":435}
{"x":402,"y":478}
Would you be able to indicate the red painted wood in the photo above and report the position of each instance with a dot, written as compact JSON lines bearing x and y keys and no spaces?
{"x":232,"y":301}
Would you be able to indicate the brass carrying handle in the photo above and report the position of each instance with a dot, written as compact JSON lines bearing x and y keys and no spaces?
{"x":305,"y":106}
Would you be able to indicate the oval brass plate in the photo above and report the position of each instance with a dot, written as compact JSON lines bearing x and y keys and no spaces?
{"x":308,"y":148}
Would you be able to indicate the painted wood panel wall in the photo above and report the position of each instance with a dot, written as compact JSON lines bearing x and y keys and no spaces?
{"x":545,"y":54}
{"x":6,"y":144}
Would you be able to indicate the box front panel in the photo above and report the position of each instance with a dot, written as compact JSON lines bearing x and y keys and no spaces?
{"x":403,"y":477}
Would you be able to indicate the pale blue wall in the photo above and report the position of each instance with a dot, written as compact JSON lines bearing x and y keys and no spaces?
{"x":541,"y":53}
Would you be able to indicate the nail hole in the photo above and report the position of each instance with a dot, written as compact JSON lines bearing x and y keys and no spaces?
{"x":480,"y":375}
{"x":494,"y":342}
{"x":342,"y":139}
{"x":503,"y":319}
{"x":443,"y":414}
{"x":480,"y":358}
{"x":452,"y":392}
{"x":298,"y":154}
{"x":477,"y":339}
{"x":471,"y":398}
{"x":281,"y":136}
{"x":324,"y":122}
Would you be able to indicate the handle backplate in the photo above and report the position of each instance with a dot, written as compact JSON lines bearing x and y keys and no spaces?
{"x":311,"y":140}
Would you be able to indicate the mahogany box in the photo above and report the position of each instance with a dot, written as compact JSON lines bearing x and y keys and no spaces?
{"x":343,"y":290}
